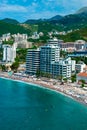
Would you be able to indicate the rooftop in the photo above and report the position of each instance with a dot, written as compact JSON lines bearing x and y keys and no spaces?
{"x":83,"y":74}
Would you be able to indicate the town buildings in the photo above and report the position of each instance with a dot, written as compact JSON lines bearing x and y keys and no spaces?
{"x":6,"y":37}
{"x":48,"y":60}
{"x":20,"y":40}
{"x":79,"y":45}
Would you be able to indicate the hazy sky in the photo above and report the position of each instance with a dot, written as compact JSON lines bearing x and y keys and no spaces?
{"x":34,"y":9}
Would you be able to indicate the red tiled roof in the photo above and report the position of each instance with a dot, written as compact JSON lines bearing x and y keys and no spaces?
{"x":83,"y":74}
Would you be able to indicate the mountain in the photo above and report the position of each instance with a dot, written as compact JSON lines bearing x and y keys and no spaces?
{"x":75,"y":35}
{"x":55,"y":18}
{"x":12,"y":28}
{"x":35,"y":21}
{"x":77,"y":20}
{"x":73,"y":19}
{"x":58,"y":22}
{"x":68,"y":22}
{"x":9,"y":20}
{"x":82,"y":11}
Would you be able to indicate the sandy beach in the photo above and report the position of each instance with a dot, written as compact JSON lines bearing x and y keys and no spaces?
{"x":69,"y":89}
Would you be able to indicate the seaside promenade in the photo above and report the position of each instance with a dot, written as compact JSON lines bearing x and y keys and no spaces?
{"x":69,"y":89}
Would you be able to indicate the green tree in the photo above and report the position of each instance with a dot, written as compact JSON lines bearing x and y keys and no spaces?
{"x":82,"y":85}
{"x":15,"y":66}
{"x":3,"y":67}
{"x":9,"y":42}
{"x":63,"y":54}
{"x":1,"y":53}
{"x":21,"y":55}
{"x":34,"y":47}
{"x":38,"y":73}
{"x":65,"y":79}
{"x":73,"y":78}
{"x":83,"y":82}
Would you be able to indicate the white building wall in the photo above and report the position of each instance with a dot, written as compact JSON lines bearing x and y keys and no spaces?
{"x":62,"y":68}
{"x":80,"y":67}
{"x":9,"y":53}
{"x":73,"y":65}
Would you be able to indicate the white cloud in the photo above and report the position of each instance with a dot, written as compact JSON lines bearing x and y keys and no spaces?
{"x":39,"y":8}
{"x":13,"y":8}
{"x":38,"y":15}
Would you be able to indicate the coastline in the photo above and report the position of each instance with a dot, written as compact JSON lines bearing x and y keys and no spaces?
{"x":73,"y":92}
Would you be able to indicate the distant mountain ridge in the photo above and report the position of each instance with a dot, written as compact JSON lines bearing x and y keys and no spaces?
{"x":12,"y":28}
{"x":33,"y":21}
{"x":79,"y":15}
{"x":58,"y":22}
{"x":82,"y":11}
{"x":71,"y":21}
{"x":57,"y":17}
{"x":9,"y":20}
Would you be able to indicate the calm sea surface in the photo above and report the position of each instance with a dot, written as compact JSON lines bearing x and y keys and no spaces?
{"x":28,"y":107}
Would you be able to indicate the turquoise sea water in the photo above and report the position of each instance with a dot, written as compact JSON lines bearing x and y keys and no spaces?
{"x":28,"y":107}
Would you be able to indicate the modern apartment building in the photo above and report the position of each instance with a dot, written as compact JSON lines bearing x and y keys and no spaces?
{"x":32,"y":61}
{"x":48,"y":54}
{"x":9,"y":53}
{"x":62,"y":68}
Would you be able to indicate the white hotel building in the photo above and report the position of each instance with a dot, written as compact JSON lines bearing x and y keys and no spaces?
{"x":9,"y":53}
{"x":62,"y":68}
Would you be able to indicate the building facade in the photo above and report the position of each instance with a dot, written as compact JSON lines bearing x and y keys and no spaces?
{"x":9,"y":53}
{"x":20,"y":40}
{"x":80,"y":67}
{"x":48,"y":54}
{"x":62,"y":68}
{"x":79,"y":44}
{"x":32,"y":61}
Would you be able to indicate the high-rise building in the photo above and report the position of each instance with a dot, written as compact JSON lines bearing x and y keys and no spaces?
{"x":9,"y":53}
{"x":48,"y":54}
{"x":32,"y":61}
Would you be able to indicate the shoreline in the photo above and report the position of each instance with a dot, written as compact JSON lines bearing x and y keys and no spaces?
{"x":38,"y":85}
{"x":77,"y":94}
